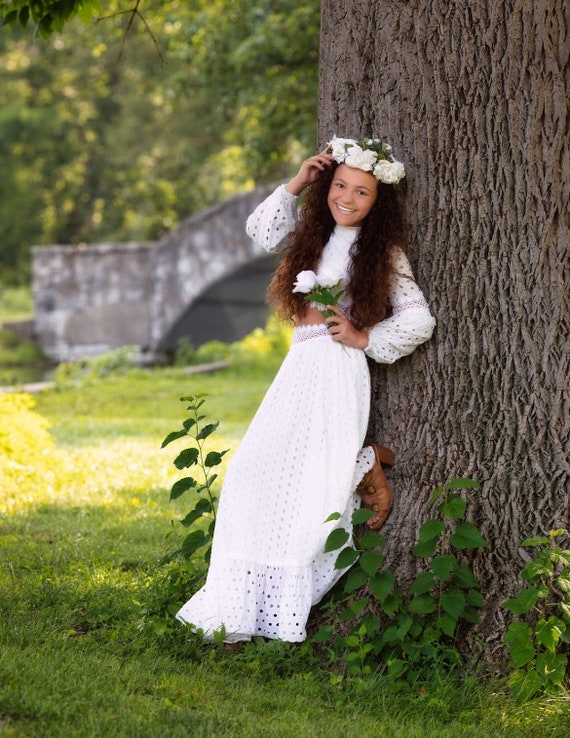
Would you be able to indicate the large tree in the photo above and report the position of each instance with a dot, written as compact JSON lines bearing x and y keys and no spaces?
{"x":474,"y":97}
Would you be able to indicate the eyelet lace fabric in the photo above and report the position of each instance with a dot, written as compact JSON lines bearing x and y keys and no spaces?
{"x":296,"y":464}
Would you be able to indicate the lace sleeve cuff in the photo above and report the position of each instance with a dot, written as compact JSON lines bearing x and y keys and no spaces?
{"x":273,"y":219}
{"x":411,"y":322}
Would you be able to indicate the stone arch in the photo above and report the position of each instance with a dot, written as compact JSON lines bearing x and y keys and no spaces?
{"x":227,"y":310}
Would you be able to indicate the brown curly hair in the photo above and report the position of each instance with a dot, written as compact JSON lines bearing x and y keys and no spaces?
{"x":370,"y":267}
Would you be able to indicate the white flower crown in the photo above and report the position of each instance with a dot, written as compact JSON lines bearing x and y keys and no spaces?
{"x":370,"y":155}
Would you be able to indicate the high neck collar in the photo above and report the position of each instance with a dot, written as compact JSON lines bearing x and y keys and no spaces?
{"x":345,"y":233}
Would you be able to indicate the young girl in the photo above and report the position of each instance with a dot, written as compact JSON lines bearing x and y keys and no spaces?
{"x":302,"y":458}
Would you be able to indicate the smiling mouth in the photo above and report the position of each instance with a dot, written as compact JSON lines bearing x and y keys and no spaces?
{"x":345,"y":210}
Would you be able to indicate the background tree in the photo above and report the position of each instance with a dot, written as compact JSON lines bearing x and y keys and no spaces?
{"x":94,"y":149}
{"x":474,"y":97}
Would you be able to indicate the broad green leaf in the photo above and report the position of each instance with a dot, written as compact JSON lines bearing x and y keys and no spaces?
{"x":447,"y":624}
{"x":430,"y":529}
{"x":323,"y":634}
{"x":552,"y":667}
{"x":404,"y":625}
{"x":371,"y":561}
{"x":424,"y":582}
{"x":474,"y":597}
{"x":207,"y":430}
{"x":187,"y":457}
{"x":518,"y":631}
{"x":425,"y":549}
{"x":382,"y":584}
{"x":362,"y":515}
{"x":536,"y":569}
{"x":189,"y":423}
{"x":454,"y":507}
{"x":467,"y":536}
{"x":536,"y":541}
{"x":453,"y":603}
{"x":391,"y":604}
{"x":202,"y":507}
{"x":333,"y":516}
{"x":336,"y":539}
{"x":518,"y":638}
{"x":193,"y":542}
{"x":422,"y":604}
{"x":173,"y":437}
{"x":346,"y":558}
{"x":524,"y":684}
{"x":464,"y":577}
{"x":371,"y":625}
{"x":356,"y":578}
{"x":353,"y":610}
{"x":213,"y":458}
{"x":525,"y":601}
{"x":372,"y":539}
{"x":470,"y":614}
{"x":442,"y":566}
{"x":549,"y":632}
{"x":182,"y":486}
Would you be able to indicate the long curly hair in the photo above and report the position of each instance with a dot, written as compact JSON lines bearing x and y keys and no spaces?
{"x":370,"y":263}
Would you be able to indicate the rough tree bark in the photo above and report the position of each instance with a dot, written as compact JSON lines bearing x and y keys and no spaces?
{"x":474,"y":96}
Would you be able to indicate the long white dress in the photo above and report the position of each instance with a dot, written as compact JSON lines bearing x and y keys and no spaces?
{"x":300,"y":459}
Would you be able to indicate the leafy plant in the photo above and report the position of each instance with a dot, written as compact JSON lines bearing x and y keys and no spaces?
{"x":412,"y":631}
{"x":535,"y":647}
{"x":202,"y":515}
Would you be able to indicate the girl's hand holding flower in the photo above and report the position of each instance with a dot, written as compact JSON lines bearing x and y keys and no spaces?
{"x":342,"y":330}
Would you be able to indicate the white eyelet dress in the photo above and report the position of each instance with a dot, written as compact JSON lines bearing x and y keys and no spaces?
{"x":299,"y":461}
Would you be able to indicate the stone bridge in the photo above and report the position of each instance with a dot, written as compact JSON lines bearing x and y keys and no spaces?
{"x":204,"y":280}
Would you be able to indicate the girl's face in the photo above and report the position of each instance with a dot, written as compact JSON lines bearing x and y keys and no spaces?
{"x":351,"y":195}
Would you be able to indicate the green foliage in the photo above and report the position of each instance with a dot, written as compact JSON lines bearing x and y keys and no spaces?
{"x":414,"y":631}
{"x":201,"y":517}
{"x":47,"y":15}
{"x":538,"y":664}
{"x":93,"y":150}
{"x":78,"y":373}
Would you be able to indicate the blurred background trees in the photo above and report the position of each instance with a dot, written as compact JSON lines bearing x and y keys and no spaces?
{"x":219,"y":96}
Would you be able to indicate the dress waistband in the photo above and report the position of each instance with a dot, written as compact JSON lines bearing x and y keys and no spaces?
{"x":308,"y":332}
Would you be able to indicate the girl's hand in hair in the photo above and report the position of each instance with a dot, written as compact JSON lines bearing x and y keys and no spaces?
{"x":308,"y":172}
{"x":342,"y":330}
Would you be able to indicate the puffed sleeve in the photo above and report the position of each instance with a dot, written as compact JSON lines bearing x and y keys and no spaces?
{"x":273,"y":219}
{"x":411,"y":322}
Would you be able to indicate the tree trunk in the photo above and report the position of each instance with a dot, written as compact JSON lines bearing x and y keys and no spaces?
{"x":473,"y":95}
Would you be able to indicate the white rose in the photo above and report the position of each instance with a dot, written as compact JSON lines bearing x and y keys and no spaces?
{"x":327,"y":279}
{"x":305,"y":281}
{"x":337,"y":146}
{"x":389,"y":172}
{"x":360,"y":158}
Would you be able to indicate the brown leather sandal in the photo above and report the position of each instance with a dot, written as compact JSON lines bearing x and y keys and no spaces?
{"x":374,"y":488}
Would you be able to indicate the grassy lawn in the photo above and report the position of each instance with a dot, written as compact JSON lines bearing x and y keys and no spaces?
{"x":79,"y":552}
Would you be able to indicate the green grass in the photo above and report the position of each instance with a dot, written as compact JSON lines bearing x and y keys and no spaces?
{"x":80,"y":655}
